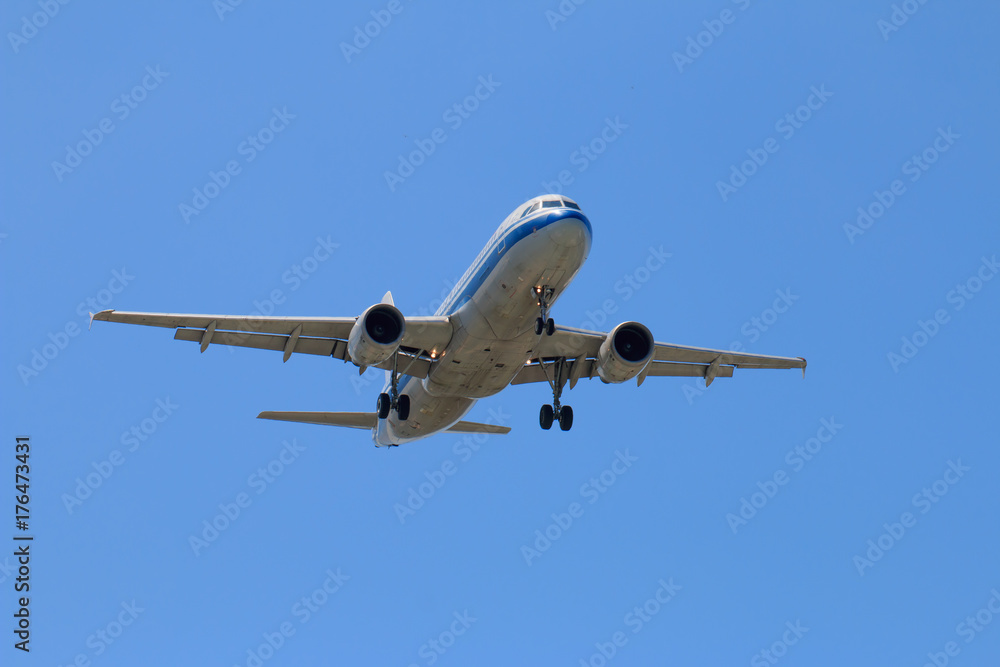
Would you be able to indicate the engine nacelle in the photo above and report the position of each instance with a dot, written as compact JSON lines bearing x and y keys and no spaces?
{"x":625,"y":352}
{"x":376,"y":335}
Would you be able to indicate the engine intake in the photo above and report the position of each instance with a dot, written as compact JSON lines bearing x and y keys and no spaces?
{"x":625,"y":352}
{"x":376,"y":335}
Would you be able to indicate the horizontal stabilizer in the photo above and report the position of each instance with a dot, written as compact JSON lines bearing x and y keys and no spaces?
{"x":365,"y":420}
{"x":476,"y":427}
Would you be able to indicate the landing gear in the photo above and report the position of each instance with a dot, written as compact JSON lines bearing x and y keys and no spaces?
{"x":393,"y":400}
{"x":556,"y":412}
{"x":545,"y":417}
{"x":544,"y":323}
{"x":566,"y":418}
{"x":383,"y":406}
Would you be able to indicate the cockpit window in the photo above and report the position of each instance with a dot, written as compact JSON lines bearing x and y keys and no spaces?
{"x":530,"y":209}
{"x":551,"y":204}
{"x":570,"y":204}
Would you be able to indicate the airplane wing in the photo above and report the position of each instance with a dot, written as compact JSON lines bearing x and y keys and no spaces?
{"x":325,"y":336}
{"x":579,"y":348}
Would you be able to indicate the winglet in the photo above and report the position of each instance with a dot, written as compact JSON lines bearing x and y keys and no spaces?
{"x":803,"y":367}
{"x":97,"y":316}
{"x":388,"y":298}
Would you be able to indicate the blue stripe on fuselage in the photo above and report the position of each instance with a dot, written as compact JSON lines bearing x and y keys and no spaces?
{"x":519,"y":231}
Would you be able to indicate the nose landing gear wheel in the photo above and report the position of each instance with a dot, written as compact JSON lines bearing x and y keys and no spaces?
{"x":566,"y":418}
{"x":545,"y":417}
{"x":544,"y":294}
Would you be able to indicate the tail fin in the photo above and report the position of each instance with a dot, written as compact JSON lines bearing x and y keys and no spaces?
{"x":388,"y":299}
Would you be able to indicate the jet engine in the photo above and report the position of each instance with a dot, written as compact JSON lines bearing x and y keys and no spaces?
{"x":625,"y":352}
{"x":376,"y":335}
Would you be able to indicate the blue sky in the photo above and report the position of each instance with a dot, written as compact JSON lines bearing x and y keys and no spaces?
{"x":822,"y":176}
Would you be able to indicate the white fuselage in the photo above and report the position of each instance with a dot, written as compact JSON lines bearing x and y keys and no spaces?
{"x":493,"y":309}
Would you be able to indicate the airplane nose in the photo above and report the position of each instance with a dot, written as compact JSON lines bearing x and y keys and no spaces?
{"x":572,"y":231}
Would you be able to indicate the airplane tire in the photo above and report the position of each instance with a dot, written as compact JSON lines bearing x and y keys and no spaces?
{"x":403,"y":408}
{"x":539,"y":326}
{"x":550,"y":327}
{"x":545,"y":417}
{"x":566,"y":418}
{"x":383,"y":405}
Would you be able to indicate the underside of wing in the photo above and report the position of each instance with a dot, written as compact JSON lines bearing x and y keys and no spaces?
{"x":324,"y":336}
{"x":578,"y":351}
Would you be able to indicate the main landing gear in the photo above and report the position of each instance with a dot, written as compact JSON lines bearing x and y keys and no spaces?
{"x":556,"y":412}
{"x":544,"y":323}
{"x":393,"y":400}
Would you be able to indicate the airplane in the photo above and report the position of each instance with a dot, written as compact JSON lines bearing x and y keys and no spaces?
{"x":493,"y":330}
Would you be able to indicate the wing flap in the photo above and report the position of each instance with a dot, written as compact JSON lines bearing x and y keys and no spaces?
{"x":320,"y":346}
{"x":533,"y":372}
{"x":406,"y":363}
